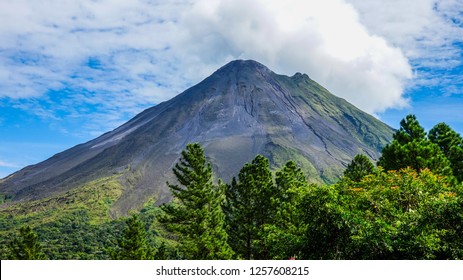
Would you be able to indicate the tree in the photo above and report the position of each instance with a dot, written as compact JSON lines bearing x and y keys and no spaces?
{"x":401,"y":214}
{"x":451,"y":144}
{"x":26,"y":246}
{"x":359,"y":168}
{"x":326,"y":233}
{"x":411,"y":148}
{"x":410,"y":130}
{"x":197,"y":216}
{"x":249,"y":209}
{"x":133,"y":245}
{"x":284,"y":235}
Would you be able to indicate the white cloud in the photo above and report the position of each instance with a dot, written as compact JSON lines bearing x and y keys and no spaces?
{"x":428,"y":31}
{"x":322,"y":38}
{"x":7,"y":164}
{"x":113,"y":58}
{"x":52,"y":41}
{"x":67,"y":54}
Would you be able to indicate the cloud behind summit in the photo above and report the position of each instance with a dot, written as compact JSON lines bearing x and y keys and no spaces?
{"x":114,"y":58}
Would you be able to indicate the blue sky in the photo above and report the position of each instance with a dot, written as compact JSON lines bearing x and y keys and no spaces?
{"x":72,"y":70}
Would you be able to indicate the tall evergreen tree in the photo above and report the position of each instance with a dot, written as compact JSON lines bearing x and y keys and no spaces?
{"x":284,"y":235}
{"x":359,"y":168}
{"x":410,"y":130}
{"x":249,"y":209}
{"x":26,"y":246}
{"x":133,"y":245}
{"x":411,"y":148}
{"x":451,"y":144}
{"x":197,"y":215}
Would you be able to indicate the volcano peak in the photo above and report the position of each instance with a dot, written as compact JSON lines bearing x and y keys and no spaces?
{"x":241,"y":110}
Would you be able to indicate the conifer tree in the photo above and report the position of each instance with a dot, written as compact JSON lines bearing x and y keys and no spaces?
{"x":359,"y":168}
{"x":411,"y":148}
{"x":197,"y":215}
{"x":451,"y":144}
{"x":26,"y":246}
{"x":134,"y":244}
{"x":284,"y":235}
{"x":410,"y":130}
{"x":249,"y":209}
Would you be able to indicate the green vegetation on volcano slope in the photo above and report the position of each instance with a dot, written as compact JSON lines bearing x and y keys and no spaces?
{"x":71,"y":225}
{"x":77,"y":224}
{"x":410,"y":207}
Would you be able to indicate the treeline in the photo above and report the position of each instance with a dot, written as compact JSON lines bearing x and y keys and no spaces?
{"x":410,"y":206}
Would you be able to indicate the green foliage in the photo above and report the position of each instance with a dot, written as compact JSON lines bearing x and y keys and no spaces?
{"x":410,"y":130}
{"x":411,"y":210}
{"x":387,"y":215}
{"x":397,"y":215}
{"x":451,"y":144}
{"x":249,"y":209}
{"x":161,"y":253}
{"x":26,"y":246}
{"x":73,"y":225}
{"x":5,"y":198}
{"x":359,"y":168}
{"x":326,"y":232}
{"x":411,"y":148}
{"x":283,"y":234}
{"x":133,"y":245}
{"x":197,"y":215}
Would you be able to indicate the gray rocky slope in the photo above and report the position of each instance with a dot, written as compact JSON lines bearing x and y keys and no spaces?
{"x":241,"y":110}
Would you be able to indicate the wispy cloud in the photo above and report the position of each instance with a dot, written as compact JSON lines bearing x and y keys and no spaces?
{"x":429,"y":32}
{"x":60,"y":41}
{"x":8,"y":164}
{"x":100,"y":61}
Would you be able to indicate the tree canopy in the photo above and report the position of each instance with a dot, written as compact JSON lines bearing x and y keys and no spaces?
{"x":249,"y":209}
{"x":196,"y":214}
{"x":133,"y":245}
{"x":26,"y":246}
{"x":411,"y":148}
{"x":451,"y":144}
{"x":410,"y":207}
{"x":359,"y":168}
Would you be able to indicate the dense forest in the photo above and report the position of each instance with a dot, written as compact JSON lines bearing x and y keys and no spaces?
{"x":408,"y":206}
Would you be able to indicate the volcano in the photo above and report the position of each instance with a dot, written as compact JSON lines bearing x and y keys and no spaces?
{"x":241,"y":110}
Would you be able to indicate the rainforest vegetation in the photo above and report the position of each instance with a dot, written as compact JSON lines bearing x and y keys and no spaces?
{"x":407,"y":206}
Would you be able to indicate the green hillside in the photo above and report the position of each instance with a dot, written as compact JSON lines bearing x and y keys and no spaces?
{"x":78,"y":224}
{"x":409,"y":207}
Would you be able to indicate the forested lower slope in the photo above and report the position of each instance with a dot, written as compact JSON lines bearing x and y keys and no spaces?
{"x":410,"y":206}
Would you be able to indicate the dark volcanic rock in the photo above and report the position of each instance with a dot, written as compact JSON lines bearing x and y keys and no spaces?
{"x":241,"y":110}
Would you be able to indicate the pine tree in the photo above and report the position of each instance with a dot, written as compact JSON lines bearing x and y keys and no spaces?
{"x":249,"y":209}
{"x":134,"y":244}
{"x":359,"y":168}
{"x":410,"y":130}
{"x":411,"y":148}
{"x":451,"y":144}
{"x":197,"y":215}
{"x":284,"y":235}
{"x":27,"y":246}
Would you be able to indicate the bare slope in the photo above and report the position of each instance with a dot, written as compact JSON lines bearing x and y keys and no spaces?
{"x":241,"y":110}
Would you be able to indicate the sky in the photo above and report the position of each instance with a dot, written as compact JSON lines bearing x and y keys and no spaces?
{"x":71,"y":70}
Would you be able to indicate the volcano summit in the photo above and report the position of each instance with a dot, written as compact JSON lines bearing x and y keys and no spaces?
{"x":241,"y":110}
